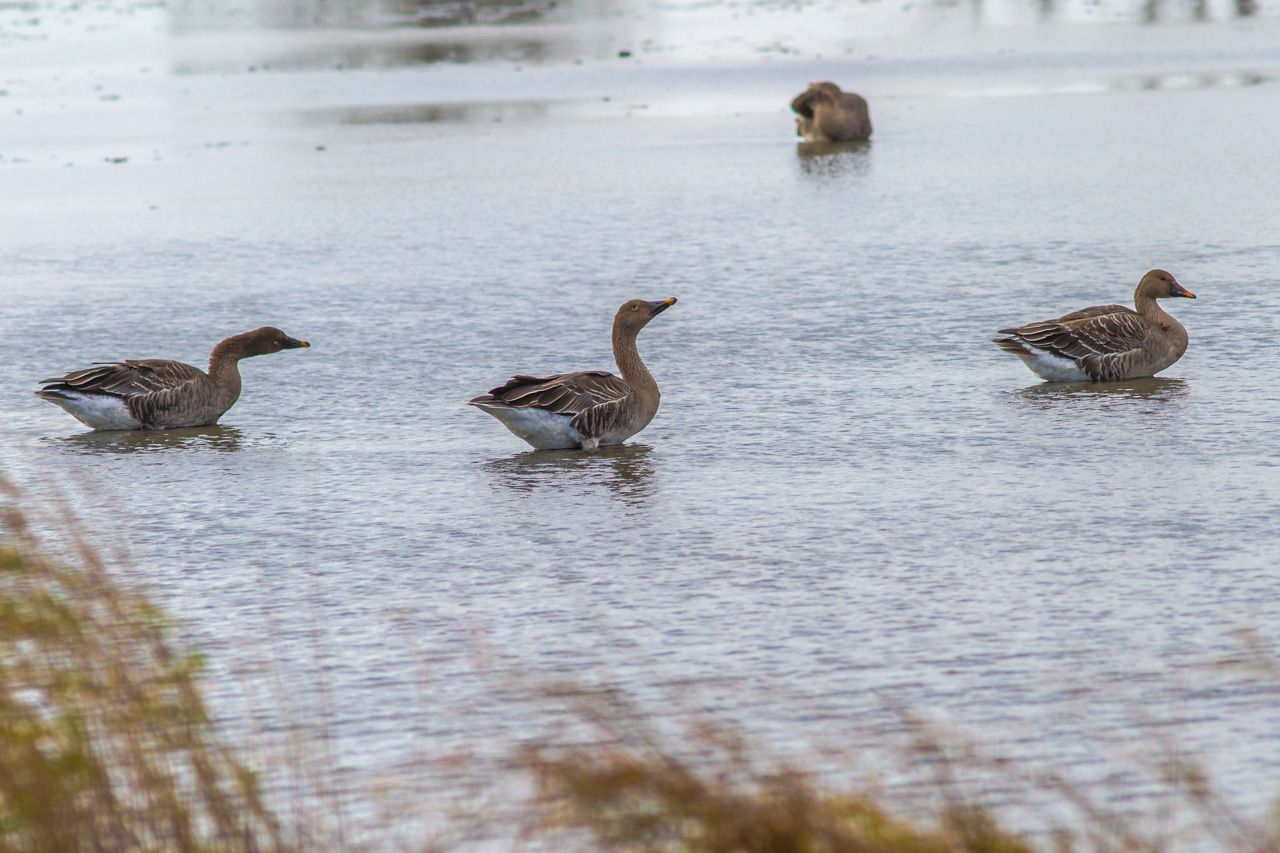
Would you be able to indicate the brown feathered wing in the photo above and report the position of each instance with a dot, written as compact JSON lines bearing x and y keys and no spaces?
{"x":126,"y":378}
{"x":1099,"y":339}
{"x":594,"y":397}
{"x":148,"y":386}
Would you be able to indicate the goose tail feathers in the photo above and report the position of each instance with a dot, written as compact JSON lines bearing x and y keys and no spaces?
{"x":1012,"y":345}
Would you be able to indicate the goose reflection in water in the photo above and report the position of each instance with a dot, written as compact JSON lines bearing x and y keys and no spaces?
{"x":220,"y":438}
{"x":626,"y":471}
{"x":833,"y":159}
{"x":1046,"y":395}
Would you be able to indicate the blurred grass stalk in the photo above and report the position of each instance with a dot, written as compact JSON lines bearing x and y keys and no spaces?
{"x":106,"y":745}
{"x":618,"y":784}
{"x":626,"y":788}
{"x":105,"y":742}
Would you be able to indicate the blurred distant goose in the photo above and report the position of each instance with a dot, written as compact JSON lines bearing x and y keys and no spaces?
{"x":584,"y":409}
{"x":1106,"y":343}
{"x":830,"y":115}
{"x":157,"y":393}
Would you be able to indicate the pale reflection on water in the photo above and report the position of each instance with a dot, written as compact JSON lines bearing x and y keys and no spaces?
{"x":833,"y":159}
{"x":222,"y":439}
{"x":625,"y":471}
{"x":1151,"y":388}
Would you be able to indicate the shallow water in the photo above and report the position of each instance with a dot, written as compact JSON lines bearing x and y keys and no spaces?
{"x":850,"y":500}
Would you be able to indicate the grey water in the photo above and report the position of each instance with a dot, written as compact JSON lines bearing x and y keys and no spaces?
{"x":850,"y":502}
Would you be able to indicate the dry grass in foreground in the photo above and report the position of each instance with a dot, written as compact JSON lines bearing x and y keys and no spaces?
{"x":623,"y":787}
{"x":627,"y":791}
{"x":106,"y":745}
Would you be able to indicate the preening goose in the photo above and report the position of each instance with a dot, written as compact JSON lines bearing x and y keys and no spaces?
{"x":1105,"y":343}
{"x":827,"y":114}
{"x":587,"y":409}
{"x":156,"y":393}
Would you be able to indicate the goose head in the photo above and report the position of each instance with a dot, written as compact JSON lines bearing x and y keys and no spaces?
{"x":636,"y":314}
{"x":1159,"y":284}
{"x":262,"y":341}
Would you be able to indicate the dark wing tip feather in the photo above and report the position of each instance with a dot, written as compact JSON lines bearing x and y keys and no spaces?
{"x":520,"y":380}
{"x":1011,"y":345}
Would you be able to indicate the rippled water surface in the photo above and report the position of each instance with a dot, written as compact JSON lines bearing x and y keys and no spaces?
{"x":849,"y":501}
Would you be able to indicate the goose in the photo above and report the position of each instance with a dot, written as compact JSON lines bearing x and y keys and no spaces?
{"x":1105,"y":343}
{"x":587,"y":409}
{"x":829,"y":115}
{"x":156,"y":393}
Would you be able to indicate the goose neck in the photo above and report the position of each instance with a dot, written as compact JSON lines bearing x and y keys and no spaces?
{"x":630,"y":366}
{"x":1150,"y":308}
{"x":224,"y":369}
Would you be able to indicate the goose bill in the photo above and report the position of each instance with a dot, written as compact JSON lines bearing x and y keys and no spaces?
{"x":294,"y":343}
{"x":661,"y":305}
